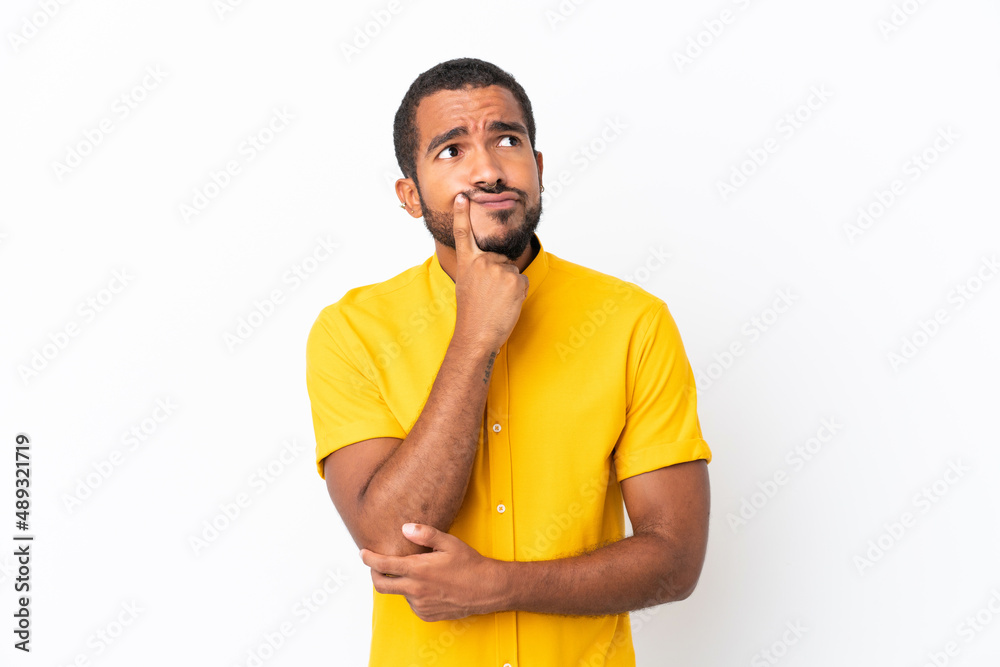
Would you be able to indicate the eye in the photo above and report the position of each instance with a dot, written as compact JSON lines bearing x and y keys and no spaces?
{"x":454,"y":147}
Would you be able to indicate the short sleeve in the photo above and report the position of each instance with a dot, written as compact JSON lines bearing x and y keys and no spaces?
{"x":347,"y":406}
{"x":661,"y":420}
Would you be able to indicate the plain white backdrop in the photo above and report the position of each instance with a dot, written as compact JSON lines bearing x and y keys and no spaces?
{"x":822,"y":176}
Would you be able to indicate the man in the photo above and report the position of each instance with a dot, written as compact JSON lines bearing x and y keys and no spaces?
{"x":481,"y":417}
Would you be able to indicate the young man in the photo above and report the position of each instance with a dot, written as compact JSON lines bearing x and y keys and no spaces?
{"x":481,"y":417}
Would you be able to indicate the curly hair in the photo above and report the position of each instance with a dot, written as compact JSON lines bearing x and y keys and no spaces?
{"x":450,"y":75}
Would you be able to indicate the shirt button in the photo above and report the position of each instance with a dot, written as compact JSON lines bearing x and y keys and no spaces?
{"x":501,"y":508}
{"x":496,"y":428}
{"x":506,"y":664}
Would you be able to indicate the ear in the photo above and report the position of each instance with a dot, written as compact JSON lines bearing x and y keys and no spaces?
{"x":406,"y":190}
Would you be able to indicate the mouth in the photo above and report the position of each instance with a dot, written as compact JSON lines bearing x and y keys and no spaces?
{"x":498,"y":201}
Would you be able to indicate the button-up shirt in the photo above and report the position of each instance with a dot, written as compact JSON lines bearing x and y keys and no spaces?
{"x":591,"y":387}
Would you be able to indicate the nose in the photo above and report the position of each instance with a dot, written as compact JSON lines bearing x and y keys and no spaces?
{"x":486,"y":171}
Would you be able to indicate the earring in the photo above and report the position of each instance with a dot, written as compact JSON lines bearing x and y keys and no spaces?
{"x":543,"y":189}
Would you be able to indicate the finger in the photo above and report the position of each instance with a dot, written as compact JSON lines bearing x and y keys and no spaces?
{"x":427,"y":536}
{"x":394,"y":565}
{"x":389,"y":585}
{"x":465,"y":239}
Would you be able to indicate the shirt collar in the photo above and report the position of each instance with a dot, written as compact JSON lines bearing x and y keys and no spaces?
{"x":535,"y":271}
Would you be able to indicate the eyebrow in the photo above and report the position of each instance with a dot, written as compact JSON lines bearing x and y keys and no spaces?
{"x":495,"y":126}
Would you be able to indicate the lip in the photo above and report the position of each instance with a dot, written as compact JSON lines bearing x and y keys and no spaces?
{"x":502,"y":200}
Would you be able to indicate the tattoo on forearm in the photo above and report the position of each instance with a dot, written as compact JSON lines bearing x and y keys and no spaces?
{"x":489,"y":368}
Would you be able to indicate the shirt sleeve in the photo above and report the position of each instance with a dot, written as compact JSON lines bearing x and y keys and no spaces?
{"x":347,"y":406}
{"x":661,"y":419}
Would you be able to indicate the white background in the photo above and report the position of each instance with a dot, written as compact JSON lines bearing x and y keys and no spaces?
{"x":686,"y":126}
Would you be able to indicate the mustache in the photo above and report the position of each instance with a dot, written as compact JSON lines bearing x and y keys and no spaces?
{"x":498,"y":190}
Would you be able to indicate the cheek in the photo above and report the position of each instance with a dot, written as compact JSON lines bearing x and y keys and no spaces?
{"x":440,"y":195}
{"x":527,"y":176}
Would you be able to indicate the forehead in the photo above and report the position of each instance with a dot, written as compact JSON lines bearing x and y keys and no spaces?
{"x":473,"y":108}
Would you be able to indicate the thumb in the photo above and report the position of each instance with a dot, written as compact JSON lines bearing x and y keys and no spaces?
{"x":424,"y":535}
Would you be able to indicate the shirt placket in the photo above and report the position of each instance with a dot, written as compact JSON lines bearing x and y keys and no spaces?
{"x":501,"y":490}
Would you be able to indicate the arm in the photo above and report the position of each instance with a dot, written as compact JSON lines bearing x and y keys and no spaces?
{"x":661,"y":562}
{"x":378,"y":485}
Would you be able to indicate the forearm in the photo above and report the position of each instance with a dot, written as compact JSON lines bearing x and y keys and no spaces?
{"x":425,"y":479}
{"x":636,"y":572}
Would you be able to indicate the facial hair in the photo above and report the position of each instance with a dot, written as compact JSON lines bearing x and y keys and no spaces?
{"x":512,"y":245}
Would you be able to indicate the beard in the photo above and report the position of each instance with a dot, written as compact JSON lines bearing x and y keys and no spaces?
{"x":511,"y":244}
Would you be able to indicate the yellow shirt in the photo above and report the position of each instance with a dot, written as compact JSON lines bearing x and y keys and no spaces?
{"x":592,"y":386}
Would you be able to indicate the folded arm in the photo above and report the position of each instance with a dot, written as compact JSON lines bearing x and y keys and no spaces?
{"x":661,"y":562}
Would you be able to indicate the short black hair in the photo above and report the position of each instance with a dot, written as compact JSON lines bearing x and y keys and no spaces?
{"x":450,"y":75}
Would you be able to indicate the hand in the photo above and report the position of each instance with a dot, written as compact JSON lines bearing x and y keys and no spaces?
{"x":489,"y":288}
{"x":453,"y":581}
